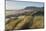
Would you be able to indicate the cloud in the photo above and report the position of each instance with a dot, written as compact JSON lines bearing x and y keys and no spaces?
{"x":11,"y":4}
{"x":10,"y":0}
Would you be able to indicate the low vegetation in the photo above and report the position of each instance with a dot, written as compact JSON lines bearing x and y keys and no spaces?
{"x":26,"y":20}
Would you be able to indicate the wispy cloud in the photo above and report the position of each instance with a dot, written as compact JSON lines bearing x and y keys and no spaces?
{"x":13,"y":4}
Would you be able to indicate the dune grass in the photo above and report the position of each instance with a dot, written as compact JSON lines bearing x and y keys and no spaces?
{"x":26,"y":21}
{"x":38,"y":22}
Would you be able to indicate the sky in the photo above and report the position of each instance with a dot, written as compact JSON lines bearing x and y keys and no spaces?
{"x":11,"y":4}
